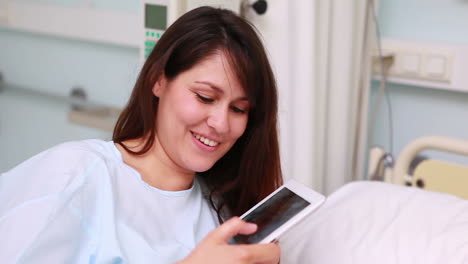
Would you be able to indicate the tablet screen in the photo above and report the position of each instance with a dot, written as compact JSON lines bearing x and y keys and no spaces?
{"x":270,"y":215}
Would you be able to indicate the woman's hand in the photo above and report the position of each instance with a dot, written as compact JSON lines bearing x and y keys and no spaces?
{"x":215,"y":248}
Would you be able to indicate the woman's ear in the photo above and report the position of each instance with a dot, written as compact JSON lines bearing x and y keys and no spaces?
{"x":159,"y":86}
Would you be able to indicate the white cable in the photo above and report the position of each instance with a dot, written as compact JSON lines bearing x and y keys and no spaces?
{"x":382,"y":87}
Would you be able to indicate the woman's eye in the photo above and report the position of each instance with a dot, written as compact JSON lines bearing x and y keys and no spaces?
{"x":204,"y":99}
{"x":237,"y":110}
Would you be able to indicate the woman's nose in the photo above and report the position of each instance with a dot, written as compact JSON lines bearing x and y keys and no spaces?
{"x":219,"y":120}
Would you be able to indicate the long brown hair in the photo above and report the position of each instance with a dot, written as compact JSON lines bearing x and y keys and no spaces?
{"x":251,"y":169}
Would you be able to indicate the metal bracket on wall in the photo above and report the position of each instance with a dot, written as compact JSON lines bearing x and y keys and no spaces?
{"x":82,"y":111}
{"x":101,"y":118}
{"x":92,"y":115}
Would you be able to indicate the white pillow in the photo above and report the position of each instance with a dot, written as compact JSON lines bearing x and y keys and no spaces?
{"x":373,"y":222}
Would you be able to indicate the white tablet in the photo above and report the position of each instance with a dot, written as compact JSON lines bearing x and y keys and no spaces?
{"x":279,"y":211}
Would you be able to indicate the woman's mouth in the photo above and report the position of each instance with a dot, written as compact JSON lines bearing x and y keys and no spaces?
{"x":206,"y":141}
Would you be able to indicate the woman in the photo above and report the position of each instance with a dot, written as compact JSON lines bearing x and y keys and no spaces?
{"x":196,"y":144}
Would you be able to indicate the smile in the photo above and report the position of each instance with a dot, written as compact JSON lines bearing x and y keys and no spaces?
{"x":206,"y":141}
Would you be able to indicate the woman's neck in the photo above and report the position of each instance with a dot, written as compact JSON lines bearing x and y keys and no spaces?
{"x":155,"y":167}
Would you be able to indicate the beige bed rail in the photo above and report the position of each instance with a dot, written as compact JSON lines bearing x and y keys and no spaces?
{"x":451,"y":145}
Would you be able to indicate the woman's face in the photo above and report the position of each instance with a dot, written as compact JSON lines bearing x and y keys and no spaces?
{"x":201,"y":114}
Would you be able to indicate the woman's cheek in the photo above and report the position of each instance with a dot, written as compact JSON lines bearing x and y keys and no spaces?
{"x":240,"y":125}
{"x":188,"y":107}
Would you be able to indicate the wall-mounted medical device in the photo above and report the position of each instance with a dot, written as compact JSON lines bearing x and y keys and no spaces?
{"x":155,"y":19}
{"x":159,"y":14}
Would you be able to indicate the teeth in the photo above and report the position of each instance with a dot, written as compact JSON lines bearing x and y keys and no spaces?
{"x":206,"y":141}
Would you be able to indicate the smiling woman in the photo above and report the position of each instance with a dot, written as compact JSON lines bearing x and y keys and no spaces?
{"x":213,"y":55}
{"x":196,"y":145}
{"x":201,"y":103}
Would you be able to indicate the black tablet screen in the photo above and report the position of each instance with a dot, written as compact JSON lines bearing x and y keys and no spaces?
{"x":270,"y":215}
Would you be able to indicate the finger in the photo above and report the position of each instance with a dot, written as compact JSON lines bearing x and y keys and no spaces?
{"x":231,"y":228}
{"x":263,"y":253}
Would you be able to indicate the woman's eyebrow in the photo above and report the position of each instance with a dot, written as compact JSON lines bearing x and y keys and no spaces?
{"x":212,"y":86}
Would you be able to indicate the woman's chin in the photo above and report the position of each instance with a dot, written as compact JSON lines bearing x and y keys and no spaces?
{"x":203,"y":167}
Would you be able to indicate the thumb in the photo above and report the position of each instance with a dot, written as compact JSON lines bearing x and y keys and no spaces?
{"x":231,"y":228}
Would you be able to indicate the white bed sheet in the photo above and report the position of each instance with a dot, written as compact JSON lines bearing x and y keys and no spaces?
{"x":373,"y":222}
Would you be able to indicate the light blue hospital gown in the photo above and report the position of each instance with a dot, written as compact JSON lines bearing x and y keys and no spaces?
{"x":79,"y":203}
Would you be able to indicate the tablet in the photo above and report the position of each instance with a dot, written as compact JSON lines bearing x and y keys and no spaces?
{"x":279,"y":211}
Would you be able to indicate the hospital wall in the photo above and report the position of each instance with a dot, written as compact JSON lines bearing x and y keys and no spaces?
{"x":107,"y":72}
{"x":31,"y":122}
{"x":419,"y":110}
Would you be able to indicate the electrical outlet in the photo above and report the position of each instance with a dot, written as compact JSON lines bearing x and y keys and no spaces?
{"x":418,"y":63}
{"x":435,"y":65}
{"x":3,"y":13}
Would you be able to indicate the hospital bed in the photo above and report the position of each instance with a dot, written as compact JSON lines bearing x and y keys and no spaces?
{"x":433,"y":175}
{"x":367,"y":222}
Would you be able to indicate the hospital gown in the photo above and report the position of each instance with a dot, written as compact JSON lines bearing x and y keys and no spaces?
{"x":79,"y":203}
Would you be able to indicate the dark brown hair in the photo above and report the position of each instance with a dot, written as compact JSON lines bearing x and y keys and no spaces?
{"x":251,"y":169}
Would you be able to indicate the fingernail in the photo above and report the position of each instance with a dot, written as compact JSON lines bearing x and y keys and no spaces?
{"x":252,"y":225}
